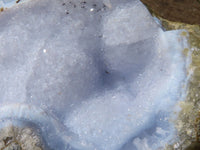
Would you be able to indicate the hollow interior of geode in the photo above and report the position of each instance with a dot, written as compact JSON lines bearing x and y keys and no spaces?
{"x":94,"y":74}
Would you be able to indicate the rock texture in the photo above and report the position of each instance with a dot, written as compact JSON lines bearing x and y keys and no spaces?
{"x":187,"y":11}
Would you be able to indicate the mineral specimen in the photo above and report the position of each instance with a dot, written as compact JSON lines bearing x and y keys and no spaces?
{"x":90,"y":74}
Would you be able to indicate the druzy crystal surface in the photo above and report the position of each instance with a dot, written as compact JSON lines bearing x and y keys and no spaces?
{"x":90,"y":74}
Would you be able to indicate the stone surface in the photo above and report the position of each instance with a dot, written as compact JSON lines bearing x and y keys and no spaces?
{"x":16,"y":138}
{"x":12,"y":146}
{"x":186,"y":11}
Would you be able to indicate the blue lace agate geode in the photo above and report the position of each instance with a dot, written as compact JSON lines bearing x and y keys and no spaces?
{"x":89,"y":74}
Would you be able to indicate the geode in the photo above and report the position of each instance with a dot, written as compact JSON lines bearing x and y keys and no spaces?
{"x":88,"y":75}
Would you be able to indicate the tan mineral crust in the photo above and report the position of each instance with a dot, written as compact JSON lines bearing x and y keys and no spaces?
{"x":16,"y":138}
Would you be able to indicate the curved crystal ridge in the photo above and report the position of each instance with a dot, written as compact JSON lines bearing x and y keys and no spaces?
{"x":90,"y":74}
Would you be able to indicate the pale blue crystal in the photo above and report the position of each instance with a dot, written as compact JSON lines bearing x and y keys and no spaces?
{"x":90,"y":74}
